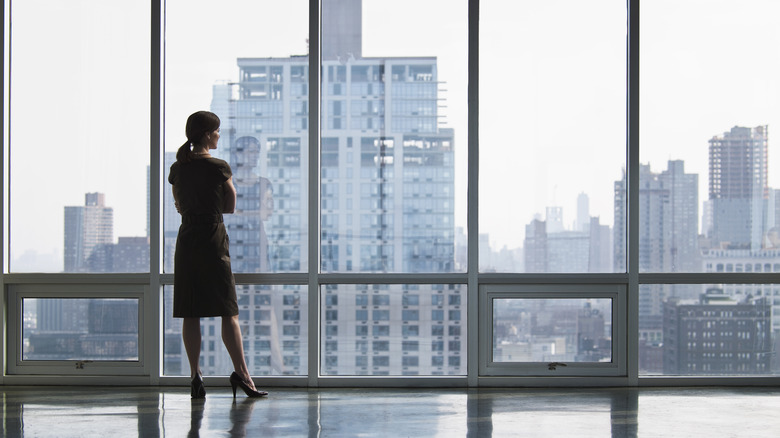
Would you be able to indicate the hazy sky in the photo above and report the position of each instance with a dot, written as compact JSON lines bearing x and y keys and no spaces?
{"x":552,"y":120}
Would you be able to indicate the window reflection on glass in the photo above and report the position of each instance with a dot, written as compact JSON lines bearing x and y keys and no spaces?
{"x":552,"y":330}
{"x":80,"y":329}
{"x":393,"y":330}
{"x":256,"y":80}
{"x":552,"y":137}
{"x":273,"y":326}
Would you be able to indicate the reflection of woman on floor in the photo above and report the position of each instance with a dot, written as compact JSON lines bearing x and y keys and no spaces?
{"x":203,"y":281}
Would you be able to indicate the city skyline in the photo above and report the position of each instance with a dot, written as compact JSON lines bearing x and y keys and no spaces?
{"x":706,"y":110}
{"x":389,"y":196}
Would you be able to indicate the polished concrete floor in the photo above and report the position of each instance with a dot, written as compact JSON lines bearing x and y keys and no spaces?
{"x":169,"y":412}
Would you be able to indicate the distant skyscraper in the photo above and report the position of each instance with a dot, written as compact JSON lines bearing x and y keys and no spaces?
{"x":739,"y":187}
{"x":668,"y":233}
{"x":683,"y":192}
{"x":535,"y":246}
{"x":600,"y":258}
{"x":668,"y":223}
{"x":86,"y":229}
{"x":342,"y":30}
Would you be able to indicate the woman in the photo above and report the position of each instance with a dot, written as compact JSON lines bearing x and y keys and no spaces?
{"x":203,"y":284}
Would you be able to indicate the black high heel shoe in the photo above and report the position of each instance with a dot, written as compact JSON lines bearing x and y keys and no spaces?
{"x":236,"y":381}
{"x":198,"y":391}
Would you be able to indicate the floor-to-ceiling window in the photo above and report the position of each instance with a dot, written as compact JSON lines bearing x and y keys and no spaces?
{"x":77,"y":179}
{"x":708,"y":202}
{"x":552,"y":143}
{"x":446,"y":190}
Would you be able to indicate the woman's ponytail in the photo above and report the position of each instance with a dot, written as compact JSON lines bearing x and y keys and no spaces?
{"x":183,"y":155}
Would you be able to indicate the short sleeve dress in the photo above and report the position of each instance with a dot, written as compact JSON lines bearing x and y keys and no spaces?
{"x":203,"y":283}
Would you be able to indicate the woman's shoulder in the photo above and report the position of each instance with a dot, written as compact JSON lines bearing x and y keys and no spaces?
{"x":219,"y":161}
{"x":222,"y":166}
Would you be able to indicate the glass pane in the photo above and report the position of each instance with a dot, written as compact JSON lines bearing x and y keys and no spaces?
{"x":393,"y":187}
{"x":552,"y":330}
{"x":707,"y":195}
{"x":254,"y":77}
{"x":274,"y":330}
{"x":710,"y":330}
{"x":79,"y":136}
{"x":393,"y":330}
{"x":80,"y":329}
{"x":552,"y":136}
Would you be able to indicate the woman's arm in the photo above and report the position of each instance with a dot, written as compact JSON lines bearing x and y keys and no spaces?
{"x":175,"y":198}
{"x":229,"y":195}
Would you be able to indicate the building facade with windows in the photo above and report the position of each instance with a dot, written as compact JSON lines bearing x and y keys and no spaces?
{"x":88,"y":228}
{"x":717,"y":335}
{"x":387,"y":205}
{"x":739,"y":190}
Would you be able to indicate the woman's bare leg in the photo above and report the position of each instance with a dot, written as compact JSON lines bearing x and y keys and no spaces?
{"x":190,"y":333}
{"x":231,"y":336}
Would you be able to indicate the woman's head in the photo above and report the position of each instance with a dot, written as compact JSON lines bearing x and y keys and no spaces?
{"x":199,"y":126}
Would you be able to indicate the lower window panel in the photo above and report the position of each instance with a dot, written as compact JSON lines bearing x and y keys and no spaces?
{"x":708,"y":329}
{"x":552,"y":330}
{"x":274,"y":329}
{"x":94,"y":329}
{"x":393,"y":330}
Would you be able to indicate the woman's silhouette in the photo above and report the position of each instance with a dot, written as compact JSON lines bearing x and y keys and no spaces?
{"x":203,"y":284}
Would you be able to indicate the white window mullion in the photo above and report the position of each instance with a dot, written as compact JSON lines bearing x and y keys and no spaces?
{"x":314,"y":190}
{"x":632,"y":119}
{"x":153,"y":318}
{"x":474,"y":314}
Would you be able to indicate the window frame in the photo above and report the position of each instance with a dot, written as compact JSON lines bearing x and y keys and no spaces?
{"x":16,"y":365}
{"x":616,"y":293}
{"x":147,"y":287}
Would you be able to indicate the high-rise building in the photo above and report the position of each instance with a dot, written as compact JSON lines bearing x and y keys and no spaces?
{"x":739,"y":188}
{"x":668,"y":225}
{"x":387,"y":205}
{"x":87,"y":227}
{"x":668,"y":230}
{"x":683,"y":189}
{"x":535,"y":246}
{"x":717,"y":335}
{"x":600,"y":258}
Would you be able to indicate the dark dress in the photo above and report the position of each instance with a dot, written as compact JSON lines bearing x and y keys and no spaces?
{"x":203,"y":283}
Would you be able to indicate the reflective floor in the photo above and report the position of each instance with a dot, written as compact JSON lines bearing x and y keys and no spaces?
{"x":157,"y":412}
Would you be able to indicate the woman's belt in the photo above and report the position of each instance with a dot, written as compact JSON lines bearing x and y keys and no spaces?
{"x":192,"y":219}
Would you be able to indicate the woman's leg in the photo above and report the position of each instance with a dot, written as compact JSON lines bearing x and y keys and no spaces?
{"x":190,"y":333}
{"x":231,"y":336}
